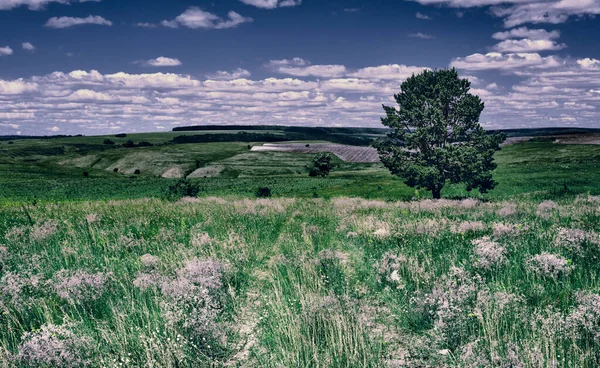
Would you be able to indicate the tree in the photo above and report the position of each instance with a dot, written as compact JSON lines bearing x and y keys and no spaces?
{"x":321,"y":165}
{"x":435,"y":134}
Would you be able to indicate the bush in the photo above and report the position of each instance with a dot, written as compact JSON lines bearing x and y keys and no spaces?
{"x":86,"y":174}
{"x":108,"y":141}
{"x":263,"y":192}
{"x":145,"y":144}
{"x":322,"y":165}
{"x":116,"y":169}
{"x":122,"y":135}
{"x":129,"y":144}
{"x":137,"y":172}
{"x":183,"y":188}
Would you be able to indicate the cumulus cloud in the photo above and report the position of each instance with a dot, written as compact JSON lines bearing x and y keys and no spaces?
{"x":518,"y":12}
{"x":524,"y":32}
{"x":272,"y":4}
{"x":162,"y":61}
{"x":4,"y":51}
{"x":391,"y":72}
{"x":527,"y":45}
{"x":589,"y":63}
{"x":35,"y":4}
{"x":66,"y":22}
{"x":27,"y":46}
{"x":225,"y":75}
{"x":499,"y":61}
{"x":16,"y":87}
{"x":196,"y":18}
{"x":301,"y":68}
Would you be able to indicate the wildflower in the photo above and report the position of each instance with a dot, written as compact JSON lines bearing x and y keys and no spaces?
{"x":489,"y":253}
{"x":17,"y":286}
{"x":586,"y":316}
{"x":149,"y":261}
{"x":145,"y":281}
{"x":501,"y":230}
{"x":56,"y":346}
{"x":509,"y":209}
{"x":546,"y":208}
{"x":43,"y":231}
{"x":80,"y":285}
{"x":92,"y":218}
{"x":574,"y":239}
{"x":201,"y":239}
{"x":388,"y":267}
{"x":468,"y":226}
{"x":550,"y":265}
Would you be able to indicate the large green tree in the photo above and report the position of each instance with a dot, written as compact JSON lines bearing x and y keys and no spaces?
{"x":435,"y":134}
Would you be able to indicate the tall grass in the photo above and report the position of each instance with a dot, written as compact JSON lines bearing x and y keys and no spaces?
{"x":300,"y":283}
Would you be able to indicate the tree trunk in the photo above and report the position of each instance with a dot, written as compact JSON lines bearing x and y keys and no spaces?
{"x":437,"y":193}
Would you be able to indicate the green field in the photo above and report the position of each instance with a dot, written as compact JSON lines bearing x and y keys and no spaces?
{"x":353,"y":270}
{"x":53,"y":170}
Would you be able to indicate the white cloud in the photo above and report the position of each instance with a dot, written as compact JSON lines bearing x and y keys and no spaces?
{"x":162,"y":61}
{"x":517,"y":12}
{"x":272,"y":4}
{"x":196,"y":18}
{"x":299,"y":67}
{"x":589,"y":63}
{"x":34,"y":4}
{"x":54,"y":129}
{"x":66,"y":22}
{"x":224,"y":75}
{"x":16,"y":115}
{"x":4,"y":51}
{"x":524,"y":32}
{"x":16,"y":87}
{"x":499,"y":61}
{"x":27,"y":46}
{"x":391,"y":72}
{"x":146,"y":25}
{"x":424,"y":36}
{"x":527,"y":45}
{"x":420,"y":15}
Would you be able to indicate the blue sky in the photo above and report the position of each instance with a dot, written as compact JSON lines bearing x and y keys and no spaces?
{"x":106,"y":66}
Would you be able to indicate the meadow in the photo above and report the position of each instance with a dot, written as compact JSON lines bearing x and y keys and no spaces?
{"x":353,"y":270}
{"x":345,"y":282}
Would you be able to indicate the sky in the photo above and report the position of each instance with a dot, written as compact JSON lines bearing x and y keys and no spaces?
{"x":110,"y":66}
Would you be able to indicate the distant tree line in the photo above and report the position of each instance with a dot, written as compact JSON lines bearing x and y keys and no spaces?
{"x":270,"y":138}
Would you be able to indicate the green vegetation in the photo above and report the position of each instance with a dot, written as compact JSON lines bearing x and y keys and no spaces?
{"x":311,"y":283}
{"x":183,"y":266}
{"x":322,"y":165}
{"x":436,"y":136}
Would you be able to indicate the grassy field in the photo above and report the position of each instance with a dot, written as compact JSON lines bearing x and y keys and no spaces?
{"x":300,"y":283}
{"x":53,"y":170}
{"x":109,"y":269}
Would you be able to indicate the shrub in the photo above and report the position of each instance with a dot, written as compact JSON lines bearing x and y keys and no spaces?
{"x":322,"y":165}
{"x":121,"y":135}
{"x":145,"y":144}
{"x":86,"y":174}
{"x":263,"y":192}
{"x":183,"y":188}
{"x":108,"y":141}
{"x":116,"y":169}
{"x":129,"y":144}
{"x":137,"y":172}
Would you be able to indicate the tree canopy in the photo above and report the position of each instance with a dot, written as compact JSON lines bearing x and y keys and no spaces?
{"x":436,"y":136}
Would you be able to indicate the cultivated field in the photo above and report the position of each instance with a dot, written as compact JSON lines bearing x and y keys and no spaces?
{"x":300,"y":283}
{"x":344,"y":152}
